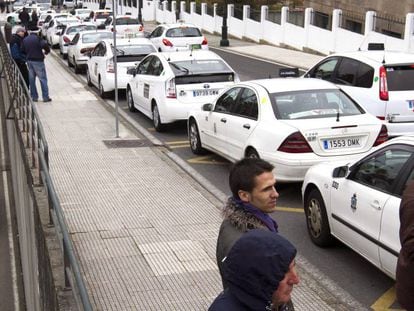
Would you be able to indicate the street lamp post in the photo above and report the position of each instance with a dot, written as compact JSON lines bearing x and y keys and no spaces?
{"x":224,"y":40}
{"x":140,"y":12}
{"x":114,"y":12}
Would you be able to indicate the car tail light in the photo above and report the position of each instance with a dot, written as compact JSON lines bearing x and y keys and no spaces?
{"x":66,"y":39}
{"x":382,"y":136}
{"x":170,"y":89}
{"x":383,"y":91}
{"x":204,"y":41}
{"x":141,"y":28}
{"x":110,"y":65}
{"x":295,"y":143}
{"x":167,"y":42}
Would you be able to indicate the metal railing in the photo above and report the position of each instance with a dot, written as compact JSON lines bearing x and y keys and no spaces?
{"x":321,"y":20}
{"x":28,"y":126}
{"x":390,"y":25}
{"x":352,"y":21}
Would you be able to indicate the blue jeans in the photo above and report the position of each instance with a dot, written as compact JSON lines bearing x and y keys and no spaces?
{"x":37,"y":69}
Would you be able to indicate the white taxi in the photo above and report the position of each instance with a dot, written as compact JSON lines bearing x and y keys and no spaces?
{"x":358,"y":202}
{"x":100,"y":16}
{"x":178,"y":37}
{"x":293,"y":123}
{"x":82,"y":14}
{"x":56,"y":27}
{"x":166,"y":86}
{"x":82,"y":44}
{"x":125,"y":24}
{"x":69,"y":32}
{"x":100,"y":67}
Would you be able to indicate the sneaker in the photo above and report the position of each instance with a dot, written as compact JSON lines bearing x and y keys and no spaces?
{"x":47,"y":100}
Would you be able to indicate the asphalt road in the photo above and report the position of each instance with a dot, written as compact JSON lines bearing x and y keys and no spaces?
{"x":346,"y":268}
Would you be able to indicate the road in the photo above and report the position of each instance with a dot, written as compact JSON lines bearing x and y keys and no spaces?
{"x":346,"y":268}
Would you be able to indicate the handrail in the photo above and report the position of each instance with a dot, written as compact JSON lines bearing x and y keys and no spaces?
{"x":31,"y":130}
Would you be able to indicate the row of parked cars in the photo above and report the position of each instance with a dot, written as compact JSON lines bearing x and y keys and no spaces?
{"x":329,"y":128}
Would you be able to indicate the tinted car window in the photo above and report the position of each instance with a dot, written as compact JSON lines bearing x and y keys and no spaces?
{"x":156,"y":67}
{"x":381,"y":170}
{"x":127,"y":21}
{"x":95,"y":37}
{"x":347,"y":72}
{"x":75,"y":38}
{"x":365,"y":76}
{"x":226,"y":100}
{"x":144,"y":66}
{"x":183,"y":32}
{"x":325,"y":70}
{"x":400,"y":78}
{"x":199,"y":67}
{"x":246,"y":105}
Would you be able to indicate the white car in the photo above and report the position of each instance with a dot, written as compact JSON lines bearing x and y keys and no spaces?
{"x":293,"y":123}
{"x":178,"y":37}
{"x":82,"y":14}
{"x":381,"y":81}
{"x":100,"y":16}
{"x":358,"y":202}
{"x":45,"y":21}
{"x":166,"y":86}
{"x":82,"y":45}
{"x":100,"y":67}
{"x":124,"y":24}
{"x":56,"y":27}
{"x":69,"y":33}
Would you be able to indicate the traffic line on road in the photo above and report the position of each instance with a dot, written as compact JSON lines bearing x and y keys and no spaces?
{"x":178,"y":144}
{"x":289,"y":209}
{"x":386,"y":301}
{"x":209,"y":159}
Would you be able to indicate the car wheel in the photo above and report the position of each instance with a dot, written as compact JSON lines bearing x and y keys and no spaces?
{"x":102,"y":92}
{"x":317,"y":219}
{"x":88,"y":78}
{"x":77,"y":69}
{"x":156,"y":119}
{"x":194,"y":137}
{"x":69,"y":63}
{"x":64,"y":55}
{"x":251,"y":153}
{"x":130,"y":100}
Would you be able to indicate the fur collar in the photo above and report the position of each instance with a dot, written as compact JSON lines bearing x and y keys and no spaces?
{"x":239,"y":218}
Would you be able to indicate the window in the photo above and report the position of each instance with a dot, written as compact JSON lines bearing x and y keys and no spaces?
{"x":76,"y":38}
{"x":144,"y":66}
{"x":226,"y":100}
{"x":156,"y":67}
{"x":183,"y":32}
{"x":365,"y":76}
{"x":400,"y":78}
{"x":347,"y":72}
{"x":157,"y":32}
{"x":246,"y":105}
{"x":381,"y":170}
{"x":325,"y":70}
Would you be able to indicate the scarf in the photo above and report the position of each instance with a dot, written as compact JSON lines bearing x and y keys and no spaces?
{"x":265,"y":218}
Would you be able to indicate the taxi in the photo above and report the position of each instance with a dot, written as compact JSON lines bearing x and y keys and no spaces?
{"x":124,"y":24}
{"x":69,"y":32}
{"x":100,"y":16}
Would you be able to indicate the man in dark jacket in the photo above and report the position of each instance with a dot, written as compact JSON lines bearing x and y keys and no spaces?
{"x":260,"y":270}
{"x":405,"y":265}
{"x":8,"y":26}
{"x":17,"y":54}
{"x":36,"y":49}
{"x":24,"y":18}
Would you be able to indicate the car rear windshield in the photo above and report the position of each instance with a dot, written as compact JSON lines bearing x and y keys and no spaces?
{"x":400,"y":78}
{"x":183,"y":32}
{"x":193,"y":67}
{"x":313,"y":104}
{"x":79,"y":28}
{"x":130,"y":53}
{"x":95,"y":37}
{"x":127,"y":21}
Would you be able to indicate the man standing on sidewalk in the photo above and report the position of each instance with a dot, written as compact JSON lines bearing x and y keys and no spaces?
{"x":17,"y":54}
{"x":36,"y":49}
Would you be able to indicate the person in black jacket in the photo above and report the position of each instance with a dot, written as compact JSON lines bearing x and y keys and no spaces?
{"x":36,"y":49}
{"x":34,"y":19}
{"x":24,"y":18}
{"x":16,"y":52}
{"x":260,"y":270}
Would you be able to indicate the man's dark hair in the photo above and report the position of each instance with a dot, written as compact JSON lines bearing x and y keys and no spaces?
{"x":243,"y":172}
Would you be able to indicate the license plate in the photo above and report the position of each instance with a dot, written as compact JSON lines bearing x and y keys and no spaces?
{"x":195,"y":46}
{"x":205,"y":92}
{"x":340,"y":143}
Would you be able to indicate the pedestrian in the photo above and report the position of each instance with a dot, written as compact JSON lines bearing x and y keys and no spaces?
{"x":36,"y":49}
{"x":2,"y":6}
{"x":24,"y":18}
{"x":8,"y":26}
{"x":34,"y":19}
{"x":260,"y":270}
{"x":18,"y":55}
{"x":405,"y":265}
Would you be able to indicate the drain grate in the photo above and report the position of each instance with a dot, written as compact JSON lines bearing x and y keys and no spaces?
{"x":127,"y":143}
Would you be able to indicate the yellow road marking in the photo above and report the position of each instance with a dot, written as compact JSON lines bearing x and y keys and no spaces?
{"x":206,"y":160}
{"x":289,"y":209}
{"x":180,"y":146}
{"x":177,"y":142}
{"x":386,"y":301}
{"x":151,"y":129}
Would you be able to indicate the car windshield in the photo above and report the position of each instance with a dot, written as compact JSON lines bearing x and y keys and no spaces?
{"x":127,"y":21}
{"x":183,"y":32}
{"x":400,"y":78}
{"x":96,"y":37}
{"x":313,"y":104}
{"x":79,"y":28}
{"x":194,"y":67}
{"x":128,"y":50}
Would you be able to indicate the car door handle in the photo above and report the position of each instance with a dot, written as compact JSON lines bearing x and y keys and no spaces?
{"x":223,"y":120}
{"x":246,"y":126}
{"x":376,"y":205}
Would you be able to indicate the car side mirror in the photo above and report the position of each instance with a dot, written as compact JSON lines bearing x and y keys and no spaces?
{"x":207,"y":107}
{"x":341,"y":171}
{"x":132,"y":71}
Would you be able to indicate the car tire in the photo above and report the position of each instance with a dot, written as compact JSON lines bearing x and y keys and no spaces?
{"x":251,"y":153}
{"x":102,"y":92}
{"x":75,"y":65}
{"x":69,"y":63}
{"x":88,"y":78}
{"x":156,"y":119}
{"x":317,"y":219}
{"x":64,"y":56}
{"x":130,"y":100}
{"x":194,"y":138}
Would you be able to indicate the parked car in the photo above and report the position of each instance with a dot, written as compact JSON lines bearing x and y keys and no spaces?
{"x":381,"y":81}
{"x":100,"y":16}
{"x":293,"y":123}
{"x":166,"y":86}
{"x":69,"y":32}
{"x":178,"y":37}
{"x":82,"y":14}
{"x":56,"y":27}
{"x":45,"y":21}
{"x":29,"y":9}
{"x":100,"y":67}
{"x":358,"y":201}
{"x":124,"y":24}
{"x":81,"y":46}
